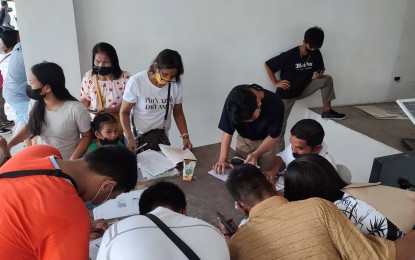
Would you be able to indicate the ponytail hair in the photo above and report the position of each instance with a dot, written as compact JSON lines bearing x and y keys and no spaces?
{"x":48,"y":73}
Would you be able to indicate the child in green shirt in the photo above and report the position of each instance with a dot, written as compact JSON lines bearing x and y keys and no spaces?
{"x":105,"y":129}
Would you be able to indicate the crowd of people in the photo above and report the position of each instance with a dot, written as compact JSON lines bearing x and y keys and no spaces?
{"x":82,"y":152}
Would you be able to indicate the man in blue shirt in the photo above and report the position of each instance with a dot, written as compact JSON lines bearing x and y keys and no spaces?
{"x":256,"y":114}
{"x":302,"y":70}
{"x":14,"y":86}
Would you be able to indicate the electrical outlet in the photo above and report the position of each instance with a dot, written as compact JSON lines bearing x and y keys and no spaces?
{"x":397,"y":79}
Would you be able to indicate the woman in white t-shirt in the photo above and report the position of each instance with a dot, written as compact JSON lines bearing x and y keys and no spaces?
{"x":146,"y":94}
{"x":57,"y":117}
{"x":312,"y":175}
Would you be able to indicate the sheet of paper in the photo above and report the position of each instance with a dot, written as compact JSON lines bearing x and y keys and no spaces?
{"x":94,"y":248}
{"x":147,"y":177}
{"x":279,"y":185}
{"x":126,"y":204}
{"x":176,"y":155}
{"x":222,"y":177}
{"x":153,"y":162}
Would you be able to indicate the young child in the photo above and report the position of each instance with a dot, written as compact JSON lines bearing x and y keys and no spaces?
{"x":105,"y":129}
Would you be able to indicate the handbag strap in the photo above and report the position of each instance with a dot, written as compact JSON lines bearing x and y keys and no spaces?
{"x":167,"y":106}
{"x":99,"y":95}
{"x":134,"y":129}
{"x":49,"y":172}
{"x":190,"y":254}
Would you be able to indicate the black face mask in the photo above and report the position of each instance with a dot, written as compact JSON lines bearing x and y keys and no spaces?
{"x":106,"y":141}
{"x":296,"y":155}
{"x":34,"y":93}
{"x":103,"y":71}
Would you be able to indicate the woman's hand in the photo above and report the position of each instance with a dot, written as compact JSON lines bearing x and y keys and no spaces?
{"x":187,"y":144}
{"x":131,"y":145}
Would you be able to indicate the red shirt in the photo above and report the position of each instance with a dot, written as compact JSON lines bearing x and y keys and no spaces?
{"x":41,"y":217}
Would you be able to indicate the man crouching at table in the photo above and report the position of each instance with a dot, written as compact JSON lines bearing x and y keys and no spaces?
{"x":312,"y":228}
{"x":42,"y":209}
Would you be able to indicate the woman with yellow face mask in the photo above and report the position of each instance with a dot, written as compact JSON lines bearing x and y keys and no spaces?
{"x":147,"y":95}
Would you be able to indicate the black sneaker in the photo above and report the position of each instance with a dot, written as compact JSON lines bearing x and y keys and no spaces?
{"x":6,"y":123}
{"x":331,"y":114}
{"x":5,"y":131}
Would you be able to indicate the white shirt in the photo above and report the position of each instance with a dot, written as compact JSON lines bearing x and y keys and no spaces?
{"x":150,"y":102}
{"x":365,"y":217}
{"x":137,"y":237}
{"x":287,"y":157}
{"x":4,"y":64}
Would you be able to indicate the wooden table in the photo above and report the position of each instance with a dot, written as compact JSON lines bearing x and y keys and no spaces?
{"x":206,"y":194}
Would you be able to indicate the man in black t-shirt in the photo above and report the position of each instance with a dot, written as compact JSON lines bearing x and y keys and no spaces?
{"x":302,"y":70}
{"x":256,"y":114}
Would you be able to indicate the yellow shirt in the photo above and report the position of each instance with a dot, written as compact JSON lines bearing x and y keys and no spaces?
{"x":313,"y":228}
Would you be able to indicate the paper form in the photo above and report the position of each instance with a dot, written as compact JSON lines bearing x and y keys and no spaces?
{"x":176,"y":155}
{"x":153,"y":162}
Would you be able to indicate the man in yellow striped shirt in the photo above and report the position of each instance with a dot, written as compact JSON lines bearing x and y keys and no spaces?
{"x":313,"y":228}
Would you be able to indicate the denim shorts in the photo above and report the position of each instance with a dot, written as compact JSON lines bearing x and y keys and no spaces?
{"x":22,"y":111}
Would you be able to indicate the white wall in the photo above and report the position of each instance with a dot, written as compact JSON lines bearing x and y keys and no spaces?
{"x":48,"y":32}
{"x":225,"y":43}
{"x":404,"y":63}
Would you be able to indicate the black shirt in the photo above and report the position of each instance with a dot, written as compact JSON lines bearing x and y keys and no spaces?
{"x":297,"y":69}
{"x":269,"y":121}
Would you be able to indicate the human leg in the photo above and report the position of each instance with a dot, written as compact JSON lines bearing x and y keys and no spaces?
{"x":288,"y":105}
{"x":3,"y":117}
{"x":245,"y":146}
{"x":325,"y":84}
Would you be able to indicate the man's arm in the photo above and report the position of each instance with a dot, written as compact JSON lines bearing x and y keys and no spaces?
{"x":277,"y":166}
{"x":284,"y":84}
{"x":350,"y":243}
{"x":405,"y":246}
{"x":225,"y":144}
{"x":265,"y":146}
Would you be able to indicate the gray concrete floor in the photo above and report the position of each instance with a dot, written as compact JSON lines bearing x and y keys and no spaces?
{"x":387,"y":131}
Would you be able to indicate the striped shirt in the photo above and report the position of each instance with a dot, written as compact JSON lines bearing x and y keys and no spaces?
{"x":312,"y":228}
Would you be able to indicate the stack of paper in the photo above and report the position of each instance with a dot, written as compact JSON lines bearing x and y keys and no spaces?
{"x":126,"y":204}
{"x":222,"y":177}
{"x":176,"y":155}
{"x":153,"y":163}
{"x":147,"y":177}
